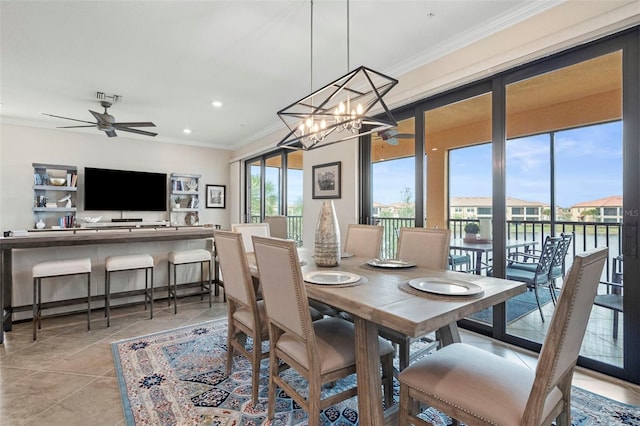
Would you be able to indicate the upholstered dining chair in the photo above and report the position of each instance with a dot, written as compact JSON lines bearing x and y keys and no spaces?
{"x":535,"y":274}
{"x":364,"y":240}
{"x":425,"y":247}
{"x":246,"y":316}
{"x":480,"y":388}
{"x":321,"y":351}
{"x":250,"y":229}
{"x":277,"y":226}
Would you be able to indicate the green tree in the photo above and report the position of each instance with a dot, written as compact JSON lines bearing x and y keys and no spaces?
{"x":271,"y":197}
{"x":408,"y":207}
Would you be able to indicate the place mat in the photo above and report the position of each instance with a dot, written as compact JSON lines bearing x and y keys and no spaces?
{"x":362,"y":280}
{"x":404,"y":286}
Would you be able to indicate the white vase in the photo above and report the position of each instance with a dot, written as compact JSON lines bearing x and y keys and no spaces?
{"x":327,"y":248}
{"x":40,"y":224}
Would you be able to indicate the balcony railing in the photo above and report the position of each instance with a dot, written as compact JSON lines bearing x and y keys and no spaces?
{"x":586,"y":235}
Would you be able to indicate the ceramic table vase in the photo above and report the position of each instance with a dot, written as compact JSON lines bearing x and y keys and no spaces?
{"x":327,"y":248}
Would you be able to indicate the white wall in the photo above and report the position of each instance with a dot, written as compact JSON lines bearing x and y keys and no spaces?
{"x":21,"y":146}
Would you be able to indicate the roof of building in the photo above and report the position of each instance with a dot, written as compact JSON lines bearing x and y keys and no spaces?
{"x":487,"y":202}
{"x":612,"y":201}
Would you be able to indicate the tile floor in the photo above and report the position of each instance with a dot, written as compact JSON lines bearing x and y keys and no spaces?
{"x":67,"y":376}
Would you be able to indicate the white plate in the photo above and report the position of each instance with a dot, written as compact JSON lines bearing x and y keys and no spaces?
{"x":345,"y":255}
{"x":331,"y":277}
{"x":390,"y":263}
{"x":445,"y":286}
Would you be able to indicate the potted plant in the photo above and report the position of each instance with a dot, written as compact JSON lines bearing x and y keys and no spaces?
{"x":176,"y":201}
{"x":471,"y":230}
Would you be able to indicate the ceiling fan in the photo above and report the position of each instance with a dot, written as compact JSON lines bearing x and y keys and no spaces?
{"x":107,"y":123}
{"x":391,"y":136}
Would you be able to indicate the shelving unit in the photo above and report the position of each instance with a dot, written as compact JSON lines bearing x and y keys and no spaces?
{"x":186,"y":188}
{"x":54,"y":205}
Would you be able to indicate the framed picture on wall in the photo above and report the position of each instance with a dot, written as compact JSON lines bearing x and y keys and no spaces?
{"x":216,"y":196}
{"x":327,"y":180}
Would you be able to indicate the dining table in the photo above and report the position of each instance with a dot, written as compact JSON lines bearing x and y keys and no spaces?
{"x":484,"y":247}
{"x":393,"y":297}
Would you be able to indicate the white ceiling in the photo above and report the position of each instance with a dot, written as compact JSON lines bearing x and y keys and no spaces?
{"x":170,"y":59}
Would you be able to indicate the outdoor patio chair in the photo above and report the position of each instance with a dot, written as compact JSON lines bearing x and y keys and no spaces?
{"x":612,"y":299}
{"x":321,"y":351}
{"x":535,"y":274}
{"x":557,"y":269}
{"x":477,"y":387}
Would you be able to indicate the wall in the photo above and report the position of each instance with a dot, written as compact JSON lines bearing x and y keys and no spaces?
{"x":21,"y":146}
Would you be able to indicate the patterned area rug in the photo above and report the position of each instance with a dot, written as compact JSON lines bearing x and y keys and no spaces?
{"x":178,"y":378}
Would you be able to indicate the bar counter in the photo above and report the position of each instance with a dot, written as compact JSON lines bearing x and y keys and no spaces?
{"x":82,"y":237}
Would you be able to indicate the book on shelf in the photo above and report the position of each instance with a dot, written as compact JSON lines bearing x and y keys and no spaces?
{"x":74,"y":180}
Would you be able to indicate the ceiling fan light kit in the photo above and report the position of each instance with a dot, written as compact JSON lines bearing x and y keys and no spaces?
{"x":340,"y":110}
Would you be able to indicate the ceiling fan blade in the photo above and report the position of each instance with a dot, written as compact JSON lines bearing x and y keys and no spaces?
{"x":135,"y":124}
{"x":393,"y":141}
{"x":404,"y":135}
{"x":140,"y":132}
{"x":67,"y":118}
{"x":73,"y":127}
{"x":99,"y":117}
{"x":111,"y":133}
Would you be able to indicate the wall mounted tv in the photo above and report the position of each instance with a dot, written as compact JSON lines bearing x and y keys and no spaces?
{"x":126,"y":190}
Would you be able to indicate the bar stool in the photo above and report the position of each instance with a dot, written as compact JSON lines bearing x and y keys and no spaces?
{"x":186,"y":257}
{"x":53,"y":269}
{"x":129,"y":262}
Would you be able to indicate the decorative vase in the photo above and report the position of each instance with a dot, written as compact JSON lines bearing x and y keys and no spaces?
{"x":40,"y":224}
{"x":327,"y":249}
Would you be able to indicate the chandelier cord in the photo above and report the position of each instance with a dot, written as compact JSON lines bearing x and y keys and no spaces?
{"x":311,"y":49}
{"x":348,"y":61}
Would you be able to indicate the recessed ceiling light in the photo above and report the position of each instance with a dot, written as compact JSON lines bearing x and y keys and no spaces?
{"x":216,"y":104}
{"x":434,"y":149}
{"x":187,"y":131}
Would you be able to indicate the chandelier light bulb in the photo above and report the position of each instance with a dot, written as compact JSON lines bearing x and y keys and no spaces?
{"x":341,"y":107}
{"x":359,"y":109}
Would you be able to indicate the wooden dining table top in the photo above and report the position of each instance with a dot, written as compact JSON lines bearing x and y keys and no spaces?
{"x":381,"y":300}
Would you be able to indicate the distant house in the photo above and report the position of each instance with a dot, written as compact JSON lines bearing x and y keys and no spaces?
{"x":481,"y":208}
{"x":608,"y":209}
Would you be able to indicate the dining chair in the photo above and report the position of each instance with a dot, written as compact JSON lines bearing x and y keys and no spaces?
{"x":246,"y":316}
{"x":477,"y":387}
{"x":364,"y":240}
{"x":250,"y":229}
{"x":320,"y":351}
{"x":535,"y":274}
{"x":277,"y":226}
{"x":425,"y":247}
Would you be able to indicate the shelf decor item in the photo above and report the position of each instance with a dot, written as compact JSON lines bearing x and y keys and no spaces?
{"x":326,"y":181}
{"x":216,"y":196}
{"x":327,"y":244}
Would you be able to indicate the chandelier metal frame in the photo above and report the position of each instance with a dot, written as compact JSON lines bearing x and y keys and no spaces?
{"x":340,"y":110}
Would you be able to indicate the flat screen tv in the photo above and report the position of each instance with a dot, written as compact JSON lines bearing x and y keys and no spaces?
{"x":126,"y":190}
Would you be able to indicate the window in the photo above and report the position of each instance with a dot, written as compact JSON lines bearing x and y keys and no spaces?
{"x":533,"y":211}
{"x":484,"y":211}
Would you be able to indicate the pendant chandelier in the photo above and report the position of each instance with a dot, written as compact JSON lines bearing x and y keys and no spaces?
{"x":338,"y":111}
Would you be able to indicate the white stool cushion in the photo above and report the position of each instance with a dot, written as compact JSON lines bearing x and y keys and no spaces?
{"x":62,"y":267}
{"x":130,"y":261}
{"x":189,"y":256}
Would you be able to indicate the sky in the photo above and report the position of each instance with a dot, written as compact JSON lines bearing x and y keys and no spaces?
{"x":588,"y":166}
